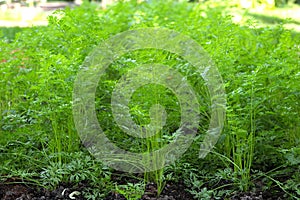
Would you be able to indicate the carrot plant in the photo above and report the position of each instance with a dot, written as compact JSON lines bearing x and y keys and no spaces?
{"x":259,"y":66}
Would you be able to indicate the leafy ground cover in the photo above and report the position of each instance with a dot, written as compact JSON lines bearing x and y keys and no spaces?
{"x":9,"y":33}
{"x":257,"y":156}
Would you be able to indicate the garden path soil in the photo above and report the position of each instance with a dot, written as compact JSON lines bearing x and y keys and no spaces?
{"x":172,"y":191}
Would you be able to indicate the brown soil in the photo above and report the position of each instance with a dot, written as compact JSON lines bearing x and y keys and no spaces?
{"x":172,"y":191}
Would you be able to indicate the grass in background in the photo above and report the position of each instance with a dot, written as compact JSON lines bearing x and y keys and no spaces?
{"x":289,"y":15}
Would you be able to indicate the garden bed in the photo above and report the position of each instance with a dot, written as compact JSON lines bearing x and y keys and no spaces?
{"x":172,"y":191}
{"x":50,"y":6}
{"x":45,"y":155}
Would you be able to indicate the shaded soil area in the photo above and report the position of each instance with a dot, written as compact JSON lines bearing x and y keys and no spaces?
{"x":172,"y":191}
{"x":22,"y":192}
{"x":10,"y":191}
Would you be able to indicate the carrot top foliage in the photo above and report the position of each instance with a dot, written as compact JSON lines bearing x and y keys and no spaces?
{"x":259,"y":66}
